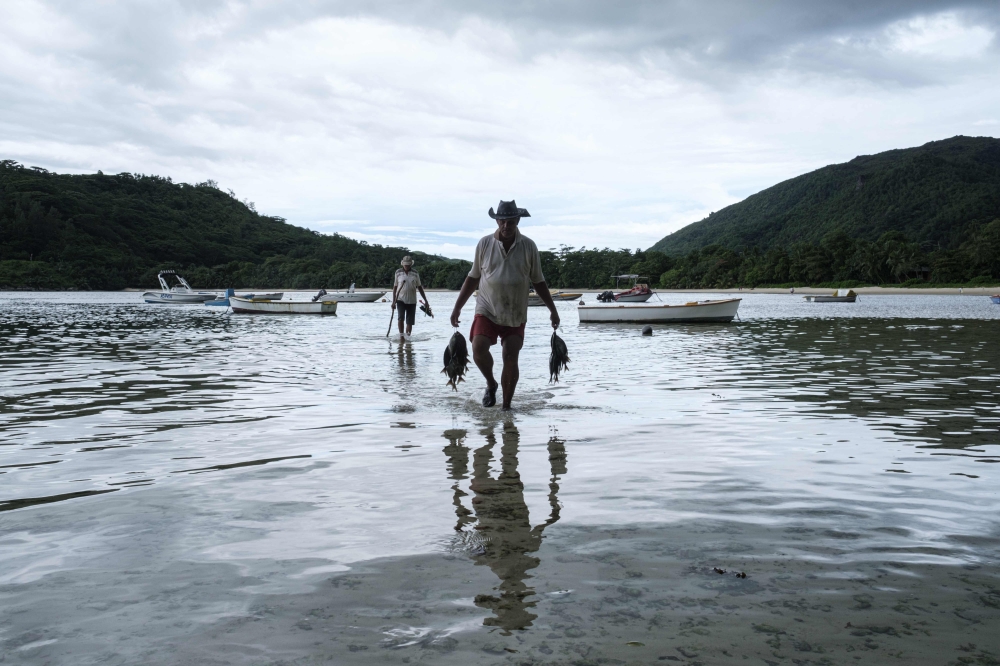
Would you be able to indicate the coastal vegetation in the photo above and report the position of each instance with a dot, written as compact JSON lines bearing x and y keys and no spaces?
{"x":929,"y":200}
{"x":97,"y":231}
{"x":925,"y":216}
{"x":837,"y":260}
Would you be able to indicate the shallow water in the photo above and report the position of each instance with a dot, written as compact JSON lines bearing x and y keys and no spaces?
{"x":183,"y":485}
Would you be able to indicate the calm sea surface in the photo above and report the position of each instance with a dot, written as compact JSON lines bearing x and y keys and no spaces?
{"x":185,"y":485}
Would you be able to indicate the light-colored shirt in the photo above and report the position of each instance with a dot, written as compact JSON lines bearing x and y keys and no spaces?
{"x":505,"y":277}
{"x":407,"y":284}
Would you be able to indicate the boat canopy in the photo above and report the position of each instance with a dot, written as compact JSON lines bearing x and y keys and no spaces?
{"x":166,"y":287}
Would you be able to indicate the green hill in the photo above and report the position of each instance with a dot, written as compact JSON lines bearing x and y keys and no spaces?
{"x":935,"y":195}
{"x":115,"y":231}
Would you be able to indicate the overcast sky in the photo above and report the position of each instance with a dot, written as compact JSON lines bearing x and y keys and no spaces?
{"x":614,"y":123}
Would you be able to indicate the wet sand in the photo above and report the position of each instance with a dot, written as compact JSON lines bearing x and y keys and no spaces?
{"x":585,"y":595}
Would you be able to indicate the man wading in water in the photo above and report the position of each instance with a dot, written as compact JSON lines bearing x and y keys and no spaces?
{"x":404,"y":296}
{"x":506,"y":265}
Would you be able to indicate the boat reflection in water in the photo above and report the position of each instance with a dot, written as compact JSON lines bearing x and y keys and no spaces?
{"x":501,"y":537}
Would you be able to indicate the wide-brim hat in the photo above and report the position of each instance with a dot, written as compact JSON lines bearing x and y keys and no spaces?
{"x":407,"y":261}
{"x":507,"y":210}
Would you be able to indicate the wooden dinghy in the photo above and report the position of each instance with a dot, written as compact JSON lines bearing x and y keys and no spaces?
{"x":264,"y":306}
{"x":695,"y":311}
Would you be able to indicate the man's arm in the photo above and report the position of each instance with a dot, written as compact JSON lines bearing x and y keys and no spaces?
{"x":395,"y":291}
{"x":542,"y":290}
{"x":469,"y":286}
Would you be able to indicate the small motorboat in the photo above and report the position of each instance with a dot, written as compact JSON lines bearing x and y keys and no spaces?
{"x":639,"y":292}
{"x":839,"y":296}
{"x":180,"y":294}
{"x":266,"y":306}
{"x":995,"y":298}
{"x":351,"y":296}
{"x":534,"y":300}
{"x":694,"y":311}
{"x":223,"y":302}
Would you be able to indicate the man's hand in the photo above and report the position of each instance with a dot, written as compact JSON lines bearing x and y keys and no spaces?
{"x":554,"y":316}
{"x":393,"y":306}
{"x":454,"y":317}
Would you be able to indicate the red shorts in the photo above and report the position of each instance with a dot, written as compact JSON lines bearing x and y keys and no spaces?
{"x":483,"y":326}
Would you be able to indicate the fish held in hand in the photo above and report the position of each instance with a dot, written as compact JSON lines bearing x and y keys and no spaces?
{"x":558,"y":359}
{"x":456,"y":359}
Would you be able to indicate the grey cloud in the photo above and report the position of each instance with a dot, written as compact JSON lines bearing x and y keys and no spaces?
{"x":143,"y":42}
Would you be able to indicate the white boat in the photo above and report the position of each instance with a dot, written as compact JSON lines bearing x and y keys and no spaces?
{"x":180,"y":294}
{"x":264,"y":306}
{"x":694,"y":311}
{"x":351,"y":296}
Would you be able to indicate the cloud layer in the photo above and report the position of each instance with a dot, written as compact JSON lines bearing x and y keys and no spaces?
{"x":614,"y":123}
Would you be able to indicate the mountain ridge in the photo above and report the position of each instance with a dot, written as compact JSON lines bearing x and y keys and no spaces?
{"x":934,"y":194}
{"x":99,"y":231}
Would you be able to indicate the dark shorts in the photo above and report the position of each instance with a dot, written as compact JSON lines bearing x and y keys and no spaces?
{"x":407,"y":311}
{"x":483,"y":326}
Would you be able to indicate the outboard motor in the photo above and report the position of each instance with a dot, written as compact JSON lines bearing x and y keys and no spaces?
{"x":321,"y":294}
{"x":606,"y":297}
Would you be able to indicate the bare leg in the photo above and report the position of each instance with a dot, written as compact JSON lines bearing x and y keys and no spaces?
{"x":409,"y":330}
{"x":508,"y":378}
{"x":483,"y":358}
{"x":402,"y":316}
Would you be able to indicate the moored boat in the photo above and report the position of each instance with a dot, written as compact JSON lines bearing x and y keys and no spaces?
{"x":534,"y":300}
{"x":639,"y":292}
{"x":695,"y":311}
{"x":179,"y":294}
{"x":351,"y":296}
{"x":839,"y":296}
{"x":223,"y":301}
{"x":995,"y":298}
{"x":264,"y":306}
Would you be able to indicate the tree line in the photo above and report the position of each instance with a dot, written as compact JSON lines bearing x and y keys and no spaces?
{"x":98,"y":231}
{"x":838,"y":260}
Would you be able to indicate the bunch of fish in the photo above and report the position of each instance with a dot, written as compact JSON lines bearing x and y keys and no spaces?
{"x":456,"y":359}
{"x":426,"y":309}
{"x":558,"y":359}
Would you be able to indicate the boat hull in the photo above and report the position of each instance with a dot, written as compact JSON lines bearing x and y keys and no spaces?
{"x":633,"y":298}
{"x":834,"y":299}
{"x":177,"y":299}
{"x":255,"y":306}
{"x":356,"y":297}
{"x":995,"y":299}
{"x":705,"y":311}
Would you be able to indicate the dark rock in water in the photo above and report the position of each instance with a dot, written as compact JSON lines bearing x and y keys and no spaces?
{"x":647,"y":330}
{"x":456,"y":360}
{"x":558,"y":359}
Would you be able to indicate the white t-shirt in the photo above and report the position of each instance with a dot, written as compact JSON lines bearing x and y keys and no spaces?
{"x":505,"y":277}
{"x":407,"y":283}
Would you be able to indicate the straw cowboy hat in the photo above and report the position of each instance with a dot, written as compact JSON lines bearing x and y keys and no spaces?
{"x":407,"y":261}
{"x":507,"y":210}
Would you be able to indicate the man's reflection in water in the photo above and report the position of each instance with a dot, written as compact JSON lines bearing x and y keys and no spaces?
{"x":505,"y":536}
{"x":407,"y":367}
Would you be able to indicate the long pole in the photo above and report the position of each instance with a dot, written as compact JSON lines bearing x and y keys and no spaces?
{"x":391,"y":317}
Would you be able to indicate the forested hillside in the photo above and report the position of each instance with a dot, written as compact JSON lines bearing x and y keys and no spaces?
{"x":836,"y":260}
{"x":102,"y":231}
{"x":937,"y":196}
